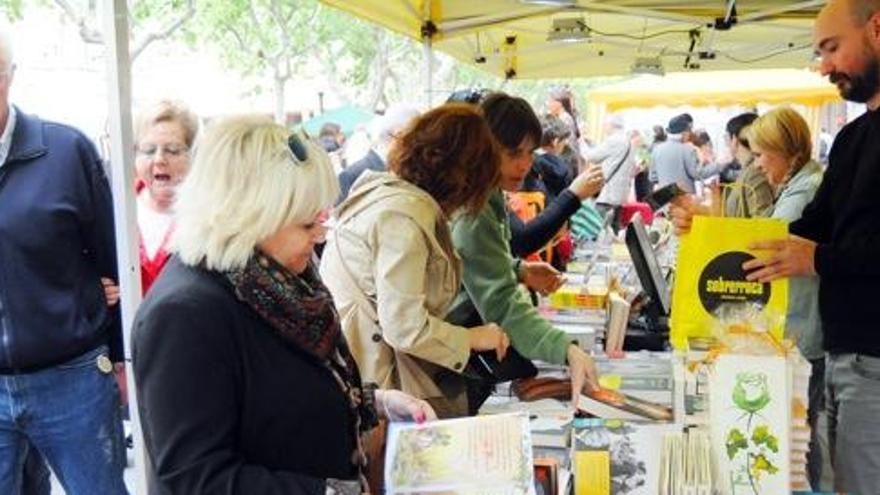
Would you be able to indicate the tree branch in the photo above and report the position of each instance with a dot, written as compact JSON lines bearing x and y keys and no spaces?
{"x":241,"y":44}
{"x":258,"y":28}
{"x":87,"y":33}
{"x":284,"y":51}
{"x":280,"y":23}
{"x":166,"y":32}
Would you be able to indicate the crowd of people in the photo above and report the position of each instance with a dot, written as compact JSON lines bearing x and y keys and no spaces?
{"x":249,"y":349}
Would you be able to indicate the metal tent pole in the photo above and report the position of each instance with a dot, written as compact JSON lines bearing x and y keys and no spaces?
{"x":428,"y":31}
{"x":116,"y":32}
{"x":428,"y":61}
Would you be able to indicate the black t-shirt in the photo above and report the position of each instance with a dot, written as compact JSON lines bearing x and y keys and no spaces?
{"x":844,"y":219}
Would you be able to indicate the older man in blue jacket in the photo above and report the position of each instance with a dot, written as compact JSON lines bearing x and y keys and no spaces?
{"x":58,"y":339}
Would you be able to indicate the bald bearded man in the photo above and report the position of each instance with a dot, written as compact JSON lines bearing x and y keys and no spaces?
{"x":838,"y":239}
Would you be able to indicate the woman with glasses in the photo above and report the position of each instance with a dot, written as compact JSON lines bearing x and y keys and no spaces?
{"x":391,"y":265}
{"x":165,"y":133}
{"x":245,"y":381}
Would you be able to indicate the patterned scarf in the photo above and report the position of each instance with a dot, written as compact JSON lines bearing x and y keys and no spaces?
{"x":299,"y":308}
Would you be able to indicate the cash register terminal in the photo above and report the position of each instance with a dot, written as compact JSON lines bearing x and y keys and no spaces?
{"x":648,"y":327}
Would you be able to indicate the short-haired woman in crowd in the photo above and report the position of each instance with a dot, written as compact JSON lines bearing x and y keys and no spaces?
{"x":241,"y":365}
{"x":165,"y":133}
{"x":391,"y":265}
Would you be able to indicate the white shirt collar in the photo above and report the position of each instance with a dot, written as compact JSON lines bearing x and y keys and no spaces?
{"x":6,"y":137}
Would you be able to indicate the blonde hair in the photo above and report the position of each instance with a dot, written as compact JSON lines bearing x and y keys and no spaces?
{"x":168,"y":111}
{"x":783,"y":131}
{"x":246,"y":184}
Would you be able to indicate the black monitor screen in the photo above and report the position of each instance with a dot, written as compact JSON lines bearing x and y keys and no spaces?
{"x":645,"y":262}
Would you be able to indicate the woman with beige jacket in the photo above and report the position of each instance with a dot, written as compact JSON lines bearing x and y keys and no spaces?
{"x":391,"y":266}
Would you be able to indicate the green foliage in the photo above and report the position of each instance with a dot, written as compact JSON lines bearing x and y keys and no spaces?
{"x":761,"y":465}
{"x":259,"y":35}
{"x":736,"y":441}
{"x":12,"y":9}
{"x":762,"y":436}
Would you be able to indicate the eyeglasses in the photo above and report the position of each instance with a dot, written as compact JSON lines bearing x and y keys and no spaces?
{"x":170,"y":151}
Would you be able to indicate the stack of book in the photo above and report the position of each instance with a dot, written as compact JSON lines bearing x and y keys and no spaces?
{"x":586,"y":326}
{"x":686,"y":464}
{"x":643,"y":375}
{"x":800,"y":429}
{"x":614,"y":457}
{"x":610,"y":404}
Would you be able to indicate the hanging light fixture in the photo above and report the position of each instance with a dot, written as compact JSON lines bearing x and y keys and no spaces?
{"x":551,"y":3}
{"x":648,"y":65}
{"x":569,"y":30}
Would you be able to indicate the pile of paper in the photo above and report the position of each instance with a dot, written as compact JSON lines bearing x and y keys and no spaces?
{"x":686,"y":464}
{"x":800,"y":429}
{"x":645,"y":375}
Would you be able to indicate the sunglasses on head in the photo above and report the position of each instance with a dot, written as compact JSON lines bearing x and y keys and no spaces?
{"x":298,"y":148}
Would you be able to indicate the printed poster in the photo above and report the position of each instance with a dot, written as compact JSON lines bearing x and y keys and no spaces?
{"x":484,"y":455}
{"x":750,"y":407}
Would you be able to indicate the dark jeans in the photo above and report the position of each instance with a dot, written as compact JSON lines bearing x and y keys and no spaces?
{"x":70,"y":414}
{"x":35,"y":479}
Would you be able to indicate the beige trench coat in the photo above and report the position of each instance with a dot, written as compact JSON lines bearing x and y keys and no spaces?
{"x":393,"y":272}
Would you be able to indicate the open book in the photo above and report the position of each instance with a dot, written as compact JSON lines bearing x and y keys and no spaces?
{"x":483,"y":455}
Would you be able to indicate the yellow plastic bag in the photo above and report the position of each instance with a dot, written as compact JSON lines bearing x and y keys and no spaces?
{"x":709,"y":276}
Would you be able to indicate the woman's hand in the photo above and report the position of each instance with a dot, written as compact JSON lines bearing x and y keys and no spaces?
{"x":490,"y":337}
{"x":111,"y":291}
{"x":588,"y":183}
{"x":541,"y":277}
{"x":583,"y":373}
{"x":395,"y":405}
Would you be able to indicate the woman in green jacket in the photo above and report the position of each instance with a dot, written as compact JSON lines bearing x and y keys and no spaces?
{"x":491,"y":276}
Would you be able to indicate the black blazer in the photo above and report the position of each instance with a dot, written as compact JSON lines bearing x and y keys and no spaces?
{"x":226,"y":406}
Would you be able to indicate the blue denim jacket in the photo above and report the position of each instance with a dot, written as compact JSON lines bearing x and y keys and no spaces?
{"x":803,"y":322}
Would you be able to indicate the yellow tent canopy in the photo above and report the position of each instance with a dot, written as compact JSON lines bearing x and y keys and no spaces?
{"x":581,"y":38}
{"x":722,"y":88}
